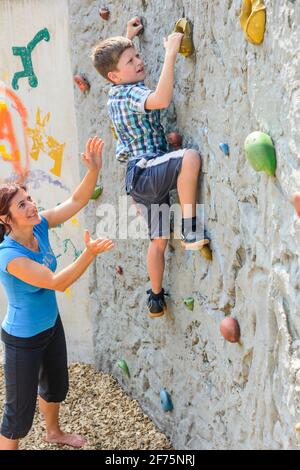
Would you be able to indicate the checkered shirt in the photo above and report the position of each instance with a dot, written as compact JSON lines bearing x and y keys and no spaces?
{"x":139,"y":131}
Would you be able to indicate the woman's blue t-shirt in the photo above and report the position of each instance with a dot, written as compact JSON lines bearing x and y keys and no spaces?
{"x":31,"y":309}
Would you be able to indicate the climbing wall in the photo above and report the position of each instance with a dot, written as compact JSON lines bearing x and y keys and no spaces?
{"x":225,"y":395}
{"x":38,"y":134}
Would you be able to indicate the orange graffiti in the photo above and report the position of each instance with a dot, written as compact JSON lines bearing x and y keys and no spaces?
{"x":41,"y":142}
{"x":7,"y":131}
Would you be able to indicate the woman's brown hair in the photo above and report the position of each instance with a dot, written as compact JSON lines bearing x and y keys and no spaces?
{"x":7,"y":192}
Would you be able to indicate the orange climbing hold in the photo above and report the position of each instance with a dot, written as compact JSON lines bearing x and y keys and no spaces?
{"x":82,"y":82}
{"x":174,"y":140}
{"x":230,"y":329}
{"x":104,"y":13}
{"x":253,"y":20}
{"x":296,"y":202}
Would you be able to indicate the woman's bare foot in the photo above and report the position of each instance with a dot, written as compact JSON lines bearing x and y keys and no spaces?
{"x":73,"y":440}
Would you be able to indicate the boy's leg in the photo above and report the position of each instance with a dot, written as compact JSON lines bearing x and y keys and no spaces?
{"x":156,"y":263}
{"x":187,"y":183}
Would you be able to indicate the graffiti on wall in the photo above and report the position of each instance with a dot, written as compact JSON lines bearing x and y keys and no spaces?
{"x":42,"y":142}
{"x":25,"y":54}
{"x":67,"y":243}
{"x":10,"y":146}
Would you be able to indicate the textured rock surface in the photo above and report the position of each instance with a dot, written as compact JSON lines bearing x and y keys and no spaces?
{"x":225,"y":395}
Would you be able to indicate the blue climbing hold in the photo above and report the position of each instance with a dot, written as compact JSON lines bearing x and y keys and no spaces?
{"x":165,"y":400}
{"x":224,"y":148}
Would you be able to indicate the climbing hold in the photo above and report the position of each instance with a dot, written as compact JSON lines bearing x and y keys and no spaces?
{"x":297,"y":428}
{"x":82,"y":82}
{"x":260,"y":152}
{"x":184,"y":26}
{"x":119,"y":270}
{"x":253,"y":20}
{"x":96,"y":193}
{"x":104,"y":13}
{"x":230,"y":329}
{"x":123,"y":365}
{"x":296,"y":202}
{"x":206,"y":252}
{"x":174,"y":140}
{"x":189,"y":303}
{"x":141,"y":22}
{"x":224,"y":148}
{"x":165,"y":400}
{"x":113,"y":131}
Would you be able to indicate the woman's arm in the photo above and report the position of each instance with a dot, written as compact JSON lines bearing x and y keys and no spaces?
{"x":39,"y":275}
{"x":80,"y":197}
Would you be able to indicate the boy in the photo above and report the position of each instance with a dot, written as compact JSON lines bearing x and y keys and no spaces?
{"x":151,"y":171}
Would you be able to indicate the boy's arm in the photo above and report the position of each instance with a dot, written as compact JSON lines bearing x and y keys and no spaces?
{"x":134,"y":26}
{"x":162,"y":96}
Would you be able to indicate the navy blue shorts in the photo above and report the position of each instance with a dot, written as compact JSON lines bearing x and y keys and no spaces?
{"x":149,"y":182}
{"x":32,"y":366}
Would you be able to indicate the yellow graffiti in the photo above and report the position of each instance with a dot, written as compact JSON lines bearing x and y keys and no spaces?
{"x":74,"y":221}
{"x":5,"y":76}
{"x":4,"y":154}
{"x":68,"y":293}
{"x":41,"y":142}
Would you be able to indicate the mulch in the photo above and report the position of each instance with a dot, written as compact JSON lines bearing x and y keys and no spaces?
{"x":99,"y":409}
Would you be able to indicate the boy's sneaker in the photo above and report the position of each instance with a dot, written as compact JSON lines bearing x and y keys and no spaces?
{"x":157,"y":307}
{"x":193,"y":241}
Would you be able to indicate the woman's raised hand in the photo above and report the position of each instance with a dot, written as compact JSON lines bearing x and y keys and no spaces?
{"x":95,"y":247}
{"x":92,"y":158}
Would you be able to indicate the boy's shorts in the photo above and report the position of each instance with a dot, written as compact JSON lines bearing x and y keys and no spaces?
{"x":35,"y":365}
{"x":149,"y":182}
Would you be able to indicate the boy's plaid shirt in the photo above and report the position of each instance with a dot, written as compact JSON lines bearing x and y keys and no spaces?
{"x":139,"y":131}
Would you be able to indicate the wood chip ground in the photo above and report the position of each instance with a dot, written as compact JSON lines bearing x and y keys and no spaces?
{"x":97,"y":408}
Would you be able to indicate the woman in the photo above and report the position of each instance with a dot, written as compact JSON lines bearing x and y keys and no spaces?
{"x":35,"y":350}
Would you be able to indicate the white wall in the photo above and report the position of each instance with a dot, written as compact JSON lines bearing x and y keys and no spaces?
{"x":53,"y":99}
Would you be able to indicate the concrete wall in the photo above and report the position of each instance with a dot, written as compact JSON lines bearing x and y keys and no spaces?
{"x":225,"y":396}
{"x":52,"y":138}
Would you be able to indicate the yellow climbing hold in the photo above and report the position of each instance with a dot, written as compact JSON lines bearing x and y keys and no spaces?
{"x":245,"y":13}
{"x":186,"y":46}
{"x":253,"y":20}
{"x":206,"y":252}
{"x":113,"y":131}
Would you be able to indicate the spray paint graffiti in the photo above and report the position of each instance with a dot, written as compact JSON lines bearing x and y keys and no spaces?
{"x":41,"y":142}
{"x":9,"y":144}
{"x":37,"y":178}
{"x":66,"y":243}
{"x":25,"y":54}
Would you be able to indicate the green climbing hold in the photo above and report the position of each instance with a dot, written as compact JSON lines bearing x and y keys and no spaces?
{"x":123,"y":365}
{"x":189,"y":303}
{"x":97,"y":192}
{"x":260,"y":152}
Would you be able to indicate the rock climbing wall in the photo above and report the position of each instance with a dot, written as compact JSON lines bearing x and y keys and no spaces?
{"x":225,"y":396}
{"x":38,"y":133}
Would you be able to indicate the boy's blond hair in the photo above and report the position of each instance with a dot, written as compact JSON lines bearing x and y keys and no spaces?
{"x":107,"y":53}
